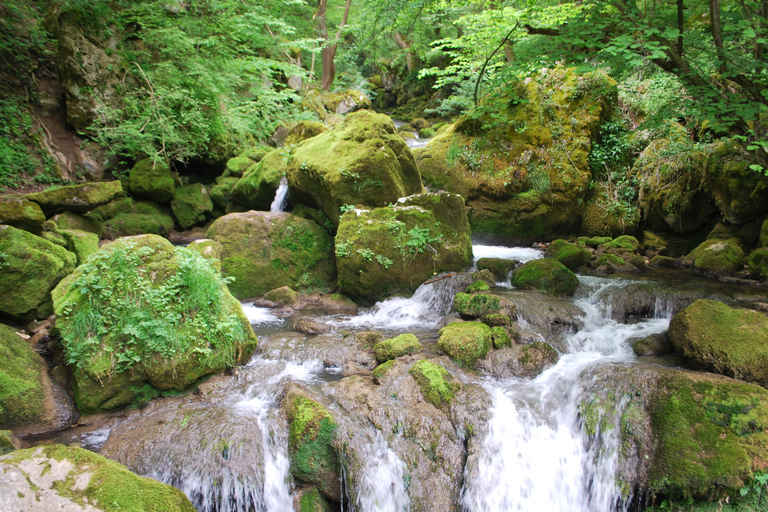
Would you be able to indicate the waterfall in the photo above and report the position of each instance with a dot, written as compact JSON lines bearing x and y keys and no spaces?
{"x":281,"y":196}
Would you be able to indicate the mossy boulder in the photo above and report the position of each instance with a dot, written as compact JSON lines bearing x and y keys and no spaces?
{"x":304,"y":130}
{"x":547,"y":275}
{"x":653,"y":345}
{"x":209,"y":249}
{"x":471,"y":306}
{"x":152,"y":180}
{"x":499,"y":266}
{"x":437,"y":385}
{"x":758,"y":263}
{"x":465,"y":342}
{"x":763,"y":237}
{"x":671,"y":192}
{"x":30,"y":267}
{"x":404,"y":344}
{"x":177,"y":322}
{"x":500,"y":337}
{"x":256,"y":189}
{"x":283,"y":295}
{"x":361,"y":161}
{"x":723,"y":339}
{"x":71,"y":220}
{"x":236,"y":166}
{"x":380,"y":372}
{"x":478,"y":287}
{"x":717,"y":257}
{"x":22,"y":214}
{"x":191,"y":204}
{"x":344,"y":102}
{"x":221,"y":192}
{"x":570,"y":255}
{"x":110,"y":210}
{"x":310,"y":500}
{"x":81,"y":243}
{"x":521,"y":361}
{"x":76,"y":198}
{"x":8,"y":442}
{"x":264,"y":251}
{"x":312,"y":432}
{"x":58,"y":477}
{"x":397,"y":248}
{"x":738,"y":191}
{"x":145,"y":217}
{"x":622,"y":243}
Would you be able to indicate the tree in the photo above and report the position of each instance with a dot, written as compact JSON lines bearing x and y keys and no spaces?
{"x":329,"y":49}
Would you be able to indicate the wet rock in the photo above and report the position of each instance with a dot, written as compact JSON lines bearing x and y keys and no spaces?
{"x":758,"y":263}
{"x":717,"y":258}
{"x":570,"y":255}
{"x":309,"y":499}
{"x":500,"y":337}
{"x":663,"y":261}
{"x":647,"y":300}
{"x":282,"y":296}
{"x":519,"y":361}
{"x":76,"y":198}
{"x":404,"y":344}
{"x":547,"y":314}
{"x":738,"y":191}
{"x":256,"y":189}
{"x":465,"y":342}
{"x":546,"y":274}
{"x":191,"y":204}
{"x":436,"y":384}
{"x":485,"y":276}
{"x":22,"y":214}
{"x":368,"y":339}
{"x":152,"y":180}
{"x":337,"y":304}
{"x":309,"y":326}
{"x":653,"y":345}
{"x":499,"y":266}
{"x":471,"y":306}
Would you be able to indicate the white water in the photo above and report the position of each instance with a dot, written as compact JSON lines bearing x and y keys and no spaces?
{"x":536,"y":456}
{"x":257,"y":315}
{"x":521,"y":254}
{"x":281,"y":197}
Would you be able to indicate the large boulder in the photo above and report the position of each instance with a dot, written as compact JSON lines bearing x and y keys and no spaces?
{"x":30,"y":267}
{"x":740,"y":193}
{"x":22,"y":214}
{"x":76,"y":198}
{"x":361,"y":161}
{"x":73,"y":221}
{"x":191,"y":204}
{"x":465,"y":342}
{"x":153,"y":180}
{"x":144,"y":217}
{"x":58,"y":477}
{"x":716,"y":257}
{"x":393,"y":348}
{"x":304,"y":130}
{"x":570,"y":255}
{"x":606,"y":213}
{"x":396,"y":248}
{"x":547,"y":275}
{"x":256,"y":189}
{"x":264,"y":251}
{"x":30,"y":402}
{"x":758,"y":263}
{"x":142,"y":316}
{"x":723,"y":339}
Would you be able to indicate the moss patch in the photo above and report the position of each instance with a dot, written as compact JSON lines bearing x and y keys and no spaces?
{"x":547,"y":275}
{"x":21,"y":391}
{"x":717,"y":257}
{"x":401,"y":345}
{"x":436,"y":384}
{"x":476,"y":305}
{"x":152,"y":180}
{"x":465,"y":342}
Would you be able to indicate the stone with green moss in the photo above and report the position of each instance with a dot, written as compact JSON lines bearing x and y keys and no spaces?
{"x":344,"y":102}
{"x":256,"y":189}
{"x":605,"y":215}
{"x":191,"y":204}
{"x":597,"y":241}
{"x":381,"y":370}
{"x":58,"y":477}
{"x":465,"y":342}
{"x":221,"y":192}
{"x":426,"y":133}
{"x":663,"y":261}
{"x":179,"y":322}
{"x":717,"y":257}
{"x":404,"y":344}
{"x":624,"y":243}
{"x":238,"y":165}
{"x":570,"y":255}
{"x":310,"y":500}
{"x":535,"y":358}
{"x":8,"y":442}
{"x":478,"y":287}
{"x":500,"y":337}
{"x":145,"y":217}
{"x":758,"y":263}
{"x":208,"y":249}
{"x":612,"y":261}
{"x":312,"y":432}
{"x":396,"y":248}
{"x":653,"y":244}
{"x":21,"y":391}
{"x":361,"y":161}
{"x":256,"y":153}
{"x":76,"y":198}
{"x":22,"y":214}
{"x":304,"y":130}
{"x":30,"y":267}
{"x":368,"y":338}
{"x":737,"y":190}
{"x":264,"y":251}
{"x":500,"y":267}
{"x":723,"y":339}
{"x":476,"y":305}
{"x":110,"y":210}
{"x":81,"y":243}
{"x":437,"y":385}
{"x":547,"y":275}
{"x":282,"y":296}
{"x":71,"y":220}
{"x":152,"y":180}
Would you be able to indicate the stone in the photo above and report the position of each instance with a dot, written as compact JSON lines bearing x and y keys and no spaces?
{"x":81,"y":243}
{"x":521,"y":361}
{"x":717,"y":257}
{"x":22,"y":214}
{"x":547,"y":275}
{"x":570,"y":255}
{"x":145,"y":217}
{"x":76,"y":198}
{"x":436,"y":384}
{"x":465,"y":342}
{"x":70,"y":220}
{"x":282,"y":296}
{"x":738,"y":191}
{"x":653,"y":345}
{"x":499,"y":266}
{"x":208,"y":249}
{"x":152,"y":180}
{"x":304,"y":130}
{"x":404,"y":344}
{"x":476,"y":305}
{"x":256,"y":189}
{"x":191,"y":204}
{"x":758,"y":263}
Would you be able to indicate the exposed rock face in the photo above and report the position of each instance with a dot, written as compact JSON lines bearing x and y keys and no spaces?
{"x":361,"y":161}
{"x":58,"y":477}
{"x":519,"y":361}
{"x":180,"y":322}
{"x":264,"y":251}
{"x":739,"y":192}
{"x":76,"y":198}
{"x":22,"y":214}
{"x":546,"y":274}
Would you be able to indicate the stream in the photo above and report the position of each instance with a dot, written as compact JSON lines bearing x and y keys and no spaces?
{"x":227,"y":446}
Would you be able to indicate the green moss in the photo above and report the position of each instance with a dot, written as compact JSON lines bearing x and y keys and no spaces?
{"x":304,"y":130}
{"x":477,"y":305}
{"x":758,"y":263}
{"x":381,"y":370}
{"x":70,"y":220}
{"x":496,"y":320}
{"x":21,"y":391}
{"x":595,"y":416}
{"x":536,"y":356}
{"x":663,"y":261}
{"x":717,"y":257}
{"x":81,"y":243}
{"x":436,"y":384}
{"x":401,"y":345}
{"x":238,"y":165}
{"x":312,"y":501}
{"x":570,"y":255}
{"x":610,"y":259}
{"x":498,"y":266}
{"x":465,"y":342}
{"x":110,"y":210}
{"x":22,"y":214}
{"x":546,"y":274}
{"x":152,"y":180}
{"x":283,"y":295}
{"x":221,"y":192}
{"x":76,"y":198}
{"x":500,"y":338}
{"x":626,"y":242}
{"x":7,"y":441}
{"x":256,"y":189}
{"x":478,"y":287}
{"x":145,"y":218}
{"x":597,"y":241}
{"x":191,"y":204}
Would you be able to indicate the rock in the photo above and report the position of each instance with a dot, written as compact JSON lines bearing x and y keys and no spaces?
{"x":476,"y":305}
{"x":76,"y":198}
{"x":314,"y":458}
{"x":738,"y":191}
{"x":367,"y":339}
{"x":763,"y":239}
{"x":108,"y":211}
{"x":499,"y":266}
{"x":31,"y":268}
{"x":30,"y":402}
{"x":604,"y":215}
{"x":652,"y":244}
{"x":397,"y":248}
{"x":8,"y":442}
{"x":404,"y":344}
{"x":521,"y":361}
{"x":546,"y":274}
{"x":57,"y":477}
{"x":22,"y":214}
{"x":306,"y":325}
{"x":500,"y":338}
{"x":145,"y":217}
{"x":179,"y":322}
{"x":436,"y":384}
{"x":304,"y":130}
{"x":238,"y":165}
{"x":623,"y":243}
{"x":264,"y":251}
{"x":70,"y":220}
{"x":81,"y":243}
{"x":152,"y":180}
{"x":282,"y":296}
{"x":570,"y":255}
{"x":465,"y":342}
{"x":758,"y":263}
{"x":653,"y":345}
{"x":361,"y":161}
{"x":717,"y":258}
{"x":671,"y":190}
{"x":663,"y":261}
{"x":337,"y":304}
{"x":256,"y":189}
{"x":344,"y":102}
{"x":191,"y":204}
{"x":309,"y":499}
{"x":723,"y":339}
{"x":478,"y":287}
{"x":208,"y":249}
{"x":221,"y":192}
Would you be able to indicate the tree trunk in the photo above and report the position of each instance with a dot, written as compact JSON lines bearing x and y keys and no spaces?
{"x":410,"y":58}
{"x":328,"y":53}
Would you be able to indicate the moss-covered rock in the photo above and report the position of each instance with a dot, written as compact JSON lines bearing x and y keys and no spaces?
{"x":177,"y":321}
{"x":152,"y":180}
{"x":653,"y":345}
{"x":310,"y":500}
{"x":397,"y":248}
{"x":500,"y":337}
{"x":58,"y":477}
{"x":758,"y":263}
{"x":236,"y":166}
{"x":723,"y":339}
{"x":360,"y":161}
{"x":547,"y":275}
{"x":256,"y":189}
{"x":663,"y":261}
{"x":471,"y":306}
{"x":404,"y":344}
{"x":717,"y":257}
{"x":624,"y":243}
{"x":282,"y":296}
{"x":738,"y":191}
{"x":607,"y":215}
{"x":570,"y":255}
{"x":304,"y":130}
{"x":191,"y":204}
{"x":30,"y":267}
{"x":535,"y":358}
{"x":209,"y":249}
{"x":264,"y":251}
{"x":8,"y":442}
{"x":465,"y":342}
{"x":221,"y":192}
{"x":81,"y":243}
{"x":380,"y":372}
{"x":108,"y":211}
{"x":436,"y":384}
{"x":344,"y":102}
{"x":499,"y":266}
{"x":22,"y":214}
{"x":145,"y":217}
{"x":76,"y":198}
{"x":70,"y":220}
{"x":312,"y":431}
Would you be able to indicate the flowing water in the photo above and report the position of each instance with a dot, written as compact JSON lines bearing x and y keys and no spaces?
{"x":281,"y":196}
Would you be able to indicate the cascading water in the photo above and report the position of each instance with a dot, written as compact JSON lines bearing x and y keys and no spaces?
{"x":281,"y":196}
